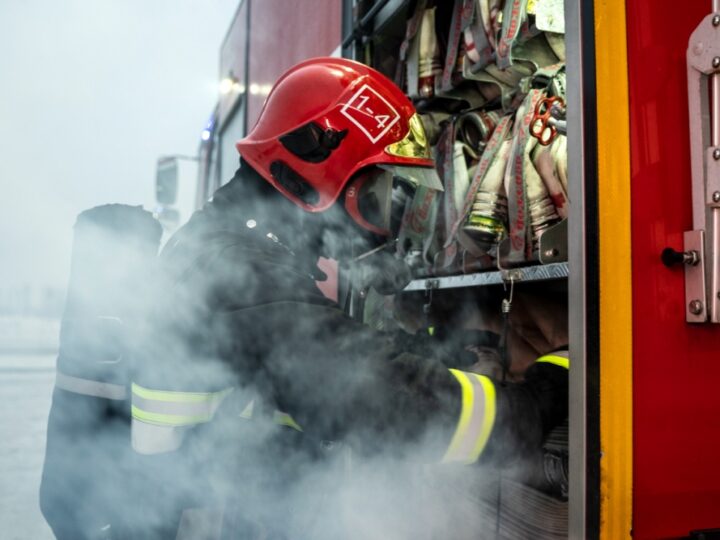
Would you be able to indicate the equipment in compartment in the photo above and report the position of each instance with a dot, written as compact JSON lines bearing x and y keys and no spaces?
{"x":488,"y":79}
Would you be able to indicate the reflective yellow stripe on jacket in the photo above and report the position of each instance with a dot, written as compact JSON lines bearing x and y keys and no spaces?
{"x":559,"y":358}
{"x":160,"y":417}
{"x":170,"y":408}
{"x":477,"y":417}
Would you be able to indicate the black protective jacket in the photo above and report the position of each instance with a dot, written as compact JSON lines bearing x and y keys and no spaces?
{"x":238,"y":297}
{"x":238,"y":309}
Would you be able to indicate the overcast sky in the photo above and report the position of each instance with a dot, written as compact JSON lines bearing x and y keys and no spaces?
{"x":91,"y":93}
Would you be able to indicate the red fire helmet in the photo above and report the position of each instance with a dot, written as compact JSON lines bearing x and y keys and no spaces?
{"x":327,"y":118}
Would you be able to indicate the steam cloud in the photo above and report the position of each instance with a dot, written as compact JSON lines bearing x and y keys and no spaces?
{"x":330,"y":481}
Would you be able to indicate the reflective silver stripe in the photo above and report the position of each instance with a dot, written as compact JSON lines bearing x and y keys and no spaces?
{"x":149,"y":439}
{"x":174,"y":408}
{"x":88,"y":387}
{"x":477,"y":417}
{"x":201,"y":524}
{"x":177,"y":408}
{"x":160,"y":418}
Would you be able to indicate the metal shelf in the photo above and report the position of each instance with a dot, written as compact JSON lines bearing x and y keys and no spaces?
{"x":540,"y":272}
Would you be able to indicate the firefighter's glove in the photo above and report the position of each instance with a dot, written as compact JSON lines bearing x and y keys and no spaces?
{"x":385,"y":272}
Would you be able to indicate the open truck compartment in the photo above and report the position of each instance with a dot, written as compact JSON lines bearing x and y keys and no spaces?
{"x":565,"y":135}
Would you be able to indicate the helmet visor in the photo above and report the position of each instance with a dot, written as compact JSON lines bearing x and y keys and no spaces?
{"x":377,"y":198}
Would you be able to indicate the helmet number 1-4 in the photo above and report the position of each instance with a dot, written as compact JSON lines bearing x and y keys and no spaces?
{"x":371,"y":112}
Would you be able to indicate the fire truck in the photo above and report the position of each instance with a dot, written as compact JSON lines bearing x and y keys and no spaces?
{"x":636,"y":250}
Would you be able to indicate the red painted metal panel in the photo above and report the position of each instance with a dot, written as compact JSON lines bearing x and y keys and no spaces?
{"x":676,"y":366}
{"x":282,"y":34}
{"x":232,"y":59}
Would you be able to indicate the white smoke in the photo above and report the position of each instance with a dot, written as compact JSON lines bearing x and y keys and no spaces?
{"x":350,"y":474}
{"x":329,"y":487}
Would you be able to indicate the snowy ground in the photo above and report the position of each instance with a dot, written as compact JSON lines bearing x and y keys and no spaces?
{"x":27,"y":333}
{"x":26,"y":382}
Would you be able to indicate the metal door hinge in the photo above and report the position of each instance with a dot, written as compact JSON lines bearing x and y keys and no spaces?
{"x":702,"y":245}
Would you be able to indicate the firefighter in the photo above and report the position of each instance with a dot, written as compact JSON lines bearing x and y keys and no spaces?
{"x":245,"y":365}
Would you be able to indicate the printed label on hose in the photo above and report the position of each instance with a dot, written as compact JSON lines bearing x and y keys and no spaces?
{"x":419,"y":222}
{"x":513,"y":16}
{"x":488,"y":155}
{"x":410,"y":32}
{"x":477,"y":47}
{"x":446,"y":146}
{"x":452,"y":47}
{"x":518,"y":217}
